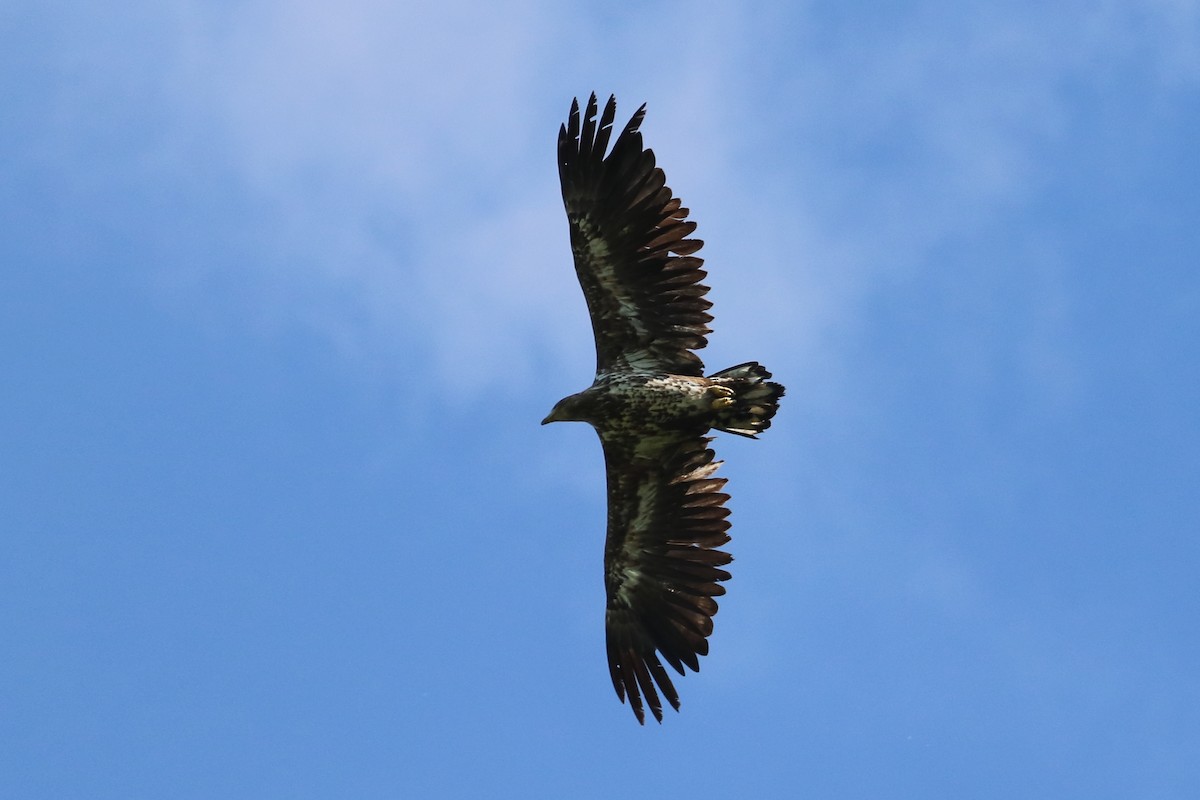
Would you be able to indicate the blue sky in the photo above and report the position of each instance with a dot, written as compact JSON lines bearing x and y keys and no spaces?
{"x":285,"y":291}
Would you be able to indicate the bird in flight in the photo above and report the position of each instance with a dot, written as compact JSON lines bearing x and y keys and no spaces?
{"x":651,"y":404}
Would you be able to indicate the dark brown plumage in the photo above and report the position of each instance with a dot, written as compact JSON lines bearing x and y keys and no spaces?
{"x":651,"y":404}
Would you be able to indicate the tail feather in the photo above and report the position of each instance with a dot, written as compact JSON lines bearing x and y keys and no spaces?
{"x":755,"y":400}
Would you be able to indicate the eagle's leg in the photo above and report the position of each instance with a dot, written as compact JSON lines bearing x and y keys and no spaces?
{"x":722,"y":397}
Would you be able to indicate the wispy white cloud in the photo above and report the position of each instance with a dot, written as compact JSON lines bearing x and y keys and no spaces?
{"x":380,"y":140}
{"x":386,"y":96}
{"x":872,"y":155}
{"x":409,"y":150}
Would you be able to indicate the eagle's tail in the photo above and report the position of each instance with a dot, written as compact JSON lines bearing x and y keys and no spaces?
{"x":755,"y":399}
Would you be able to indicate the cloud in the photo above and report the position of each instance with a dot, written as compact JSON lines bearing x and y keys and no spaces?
{"x":377,"y":94}
{"x":400,"y":157}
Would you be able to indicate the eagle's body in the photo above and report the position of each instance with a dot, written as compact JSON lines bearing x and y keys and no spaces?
{"x":641,"y":403}
{"x":651,"y":404}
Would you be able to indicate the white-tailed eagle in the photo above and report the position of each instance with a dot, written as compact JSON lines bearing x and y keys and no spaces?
{"x":651,"y":404}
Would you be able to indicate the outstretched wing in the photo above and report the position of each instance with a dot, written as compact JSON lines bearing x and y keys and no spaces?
{"x":662,"y":568}
{"x":632,"y":254}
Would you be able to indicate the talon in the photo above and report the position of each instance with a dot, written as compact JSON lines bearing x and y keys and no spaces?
{"x":722,"y":397}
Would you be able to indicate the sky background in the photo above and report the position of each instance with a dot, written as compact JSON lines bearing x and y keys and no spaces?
{"x":285,"y":290}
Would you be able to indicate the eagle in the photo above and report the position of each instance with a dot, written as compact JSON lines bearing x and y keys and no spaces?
{"x":651,"y":404}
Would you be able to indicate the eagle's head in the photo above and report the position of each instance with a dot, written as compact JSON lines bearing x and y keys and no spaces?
{"x":573,"y":408}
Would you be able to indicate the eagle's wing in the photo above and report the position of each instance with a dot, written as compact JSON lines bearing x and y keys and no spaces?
{"x":666,"y":517}
{"x":632,"y":254}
